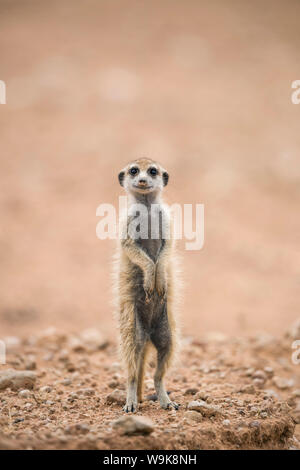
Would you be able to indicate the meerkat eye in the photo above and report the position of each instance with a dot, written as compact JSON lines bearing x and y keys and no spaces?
{"x":134,"y":171}
{"x":153,"y":171}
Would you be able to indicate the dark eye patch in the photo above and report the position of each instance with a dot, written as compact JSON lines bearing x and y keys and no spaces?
{"x":153,"y":171}
{"x":134,"y":170}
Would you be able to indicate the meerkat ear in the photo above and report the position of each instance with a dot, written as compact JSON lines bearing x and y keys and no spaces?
{"x":121,"y":177}
{"x":165,"y":177}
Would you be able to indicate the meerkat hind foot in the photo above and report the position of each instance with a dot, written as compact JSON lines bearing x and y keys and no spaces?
{"x":130,"y":407}
{"x":169,"y":405}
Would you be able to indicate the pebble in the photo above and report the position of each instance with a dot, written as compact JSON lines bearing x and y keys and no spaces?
{"x":259,"y":383}
{"x":205,"y":409}
{"x":260,"y":374}
{"x":16,"y":379}
{"x":202,"y":395}
{"x":294,"y":330}
{"x":66,"y":382}
{"x":24,"y":393}
{"x":269,"y":371}
{"x":134,"y":425}
{"x":226,"y":422}
{"x":12,"y":343}
{"x":87,"y":392}
{"x":91,"y":340}
{"x":30,"y":363}
{"x":254,"y":424}
{"x":191,"y":391}
{"x":46,"y":389}
{"x":250,"y":389}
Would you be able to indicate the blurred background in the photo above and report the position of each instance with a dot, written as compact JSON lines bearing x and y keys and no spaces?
{"x":203,"y":87}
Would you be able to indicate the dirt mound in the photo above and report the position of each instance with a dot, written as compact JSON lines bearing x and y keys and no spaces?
{"x":240,"y":393}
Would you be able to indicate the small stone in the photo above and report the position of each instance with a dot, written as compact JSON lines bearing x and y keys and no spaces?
{"x":226,"y":422}
{"x":191,"y":391}
{"x":205,"y":409}
{"x":12,"y":343}
{"x":294,"y":330}
{"x":259,"y":383}
{"x":63,"y":356}
{"x":70,"y":367}
{"x":66,"y":382}
{"x":134,"y":425}
{"x":282,"y":383}
{"x":192,"y":415}
{"x":30,"y":363}
{"x":82,"y":428}
{"x":28,"y":406}
{"x":117,"y":396}
{"x":87,"y":392}
{"x":269,"y":371}
{"x":254,"y":424}
{"x":93,"y":340}
{"x":202,"y":395}
{"x":260,"y":374}
{"x":296,"y":414}
{"x":46,"y":389}
{"x":271,"y":393}
{"x":18,"y":420}
{"x":253,"y":411}
{"x":16,"y":379}
{"x":249,"y":389}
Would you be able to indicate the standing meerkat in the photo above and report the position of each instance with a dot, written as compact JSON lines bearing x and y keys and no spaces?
{"x":145,"y":279}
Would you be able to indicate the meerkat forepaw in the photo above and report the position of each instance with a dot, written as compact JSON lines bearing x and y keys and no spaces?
{"x":130,"y":407}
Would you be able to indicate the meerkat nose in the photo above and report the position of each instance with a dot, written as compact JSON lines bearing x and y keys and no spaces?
{"x":142,"y":182}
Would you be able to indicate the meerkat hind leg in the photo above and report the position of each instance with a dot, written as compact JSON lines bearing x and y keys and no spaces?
{"x":162,"y":395}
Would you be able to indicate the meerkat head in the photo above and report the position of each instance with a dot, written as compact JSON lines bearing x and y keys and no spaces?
{"x":143,"y":176}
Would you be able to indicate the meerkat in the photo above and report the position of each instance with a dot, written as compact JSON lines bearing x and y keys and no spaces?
{"x":145,"y":280}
